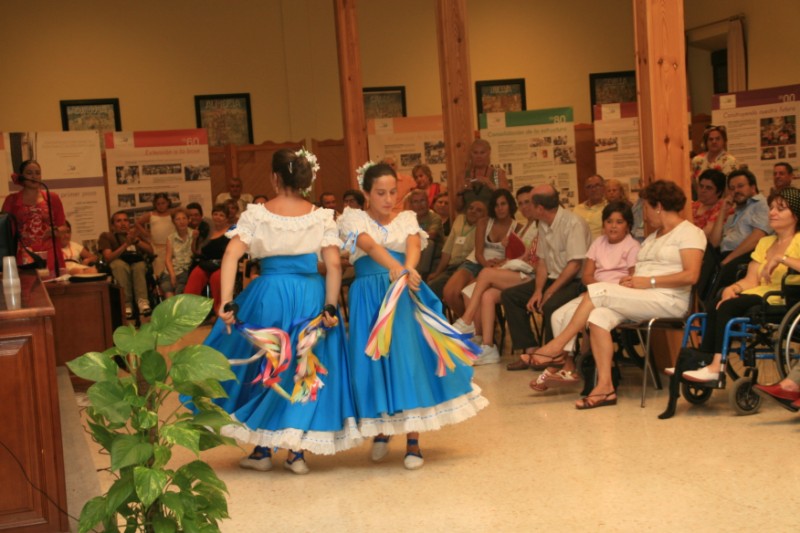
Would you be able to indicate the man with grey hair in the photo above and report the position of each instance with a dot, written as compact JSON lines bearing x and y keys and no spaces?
{"x":235,"y":193}
{"x":564,"y":238}
{"x":592,"y":209}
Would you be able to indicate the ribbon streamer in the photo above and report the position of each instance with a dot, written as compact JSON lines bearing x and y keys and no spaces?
{"x":307,"y":382}
{"x":274,"y":345}
{"x":445,"y":341}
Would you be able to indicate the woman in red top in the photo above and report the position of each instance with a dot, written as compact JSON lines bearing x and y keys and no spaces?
{"x":710,"y":188}
{"x":35,"y":222}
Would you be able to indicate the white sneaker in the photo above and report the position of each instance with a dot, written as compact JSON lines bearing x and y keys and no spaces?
{"x":701,"y":376}
{"x":379,"y":449}
{"x":670,"y":371}
{"x":463,"y":327}
{"x":144,"y":306}
{"x":489,"y":355}
{"x":413,"y":462}
{"x":297,"y":465}
{"x":128,"y":311}
{"x":258,"y":460}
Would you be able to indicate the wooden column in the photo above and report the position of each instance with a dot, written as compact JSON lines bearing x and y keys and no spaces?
{"x":663,"y":101}
{"x":455,"y":81}
{"x":350,"y":84}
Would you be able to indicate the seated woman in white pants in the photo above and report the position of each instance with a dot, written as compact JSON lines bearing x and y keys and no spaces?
{"x":611,"y":257}
{"x":667,"y":266}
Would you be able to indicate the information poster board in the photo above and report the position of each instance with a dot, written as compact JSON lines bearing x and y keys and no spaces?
{"x":616,"y":144}
{"x":762,"y":128}
{"x":411,"y":141}
{"x":143,"y":163}
{"x":71,"y":167}
{"x":535,"y":147}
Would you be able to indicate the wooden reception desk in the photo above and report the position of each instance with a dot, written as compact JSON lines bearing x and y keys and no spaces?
{"x":30,"y":427}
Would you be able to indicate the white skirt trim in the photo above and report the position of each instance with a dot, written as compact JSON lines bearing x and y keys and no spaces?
{"x":426,"y":418}
{"x":318,"y":442}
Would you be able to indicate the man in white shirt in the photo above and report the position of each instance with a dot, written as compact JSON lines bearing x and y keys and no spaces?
{"x":235,"y":193}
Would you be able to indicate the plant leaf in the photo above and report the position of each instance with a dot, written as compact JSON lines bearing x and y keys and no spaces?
{"x":92,"y":513}
{"x":199,"y":363}
{"x":164,"y":524}
{"x":119,"y":493}
{"x":108,"y":399}
{"x":175,"y":317}
{"x":162,"y":455}
{"x":173,"y":502}
{"x":215,"y":504}
{"x":127,"y":450}
{"x":209,"y":388}
{"x":153,"y":366}
{"x":129,"y":340}
{"x":101,"y":434}
{"x":144,"y":419}
{"x":210,"y":440}
{"x":212,"y":419}
{"x":149,"y":484}
{"x":203,"y":472}
{"x":182,"y":434}
{"x":94,"y":366}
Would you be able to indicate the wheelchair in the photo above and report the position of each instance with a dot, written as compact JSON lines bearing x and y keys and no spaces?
{"x":759,"y":348}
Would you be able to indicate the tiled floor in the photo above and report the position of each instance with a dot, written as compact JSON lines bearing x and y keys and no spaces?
{"x":531,"y":462}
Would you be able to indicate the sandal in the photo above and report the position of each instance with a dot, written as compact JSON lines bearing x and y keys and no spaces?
{"x":413,"y":460}
{"x":540,"y":383}
{"x":585,"y":404}
{"x":553,"y":361}
{"x":563,"y":377}
{"x":380,"y":447}
{"x":297,"y":463}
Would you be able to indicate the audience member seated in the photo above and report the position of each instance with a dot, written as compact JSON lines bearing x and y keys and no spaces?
{"x":769,"y":263}
{"x":199,"y":226}
{"x":481,"y":177}
{"x":209,"y":258}
{"x":327,"y":200}
{"x":235,"y":193}
{"x":490,"y":236}
{"x":156,"y":226}
{"x":405,"y":184}
{"x":710,"y":188}
{"x":232,"y":211}
{"x":260,"y":199}
{"x":353,"y":199}
{"x":667,"y":266}
{"x":441,"y":206}
{"x":125,"y":250}
{"x":736,"y":235}
{"x":592,"y":209}
{"x":564,"y":238}
{"x":431,"y":224}
{"x":715,"y":141}
{"x":77,"y":259}
{"x":782,"y":176}
{"x":616,"y":192}
{"x":786,"y":392}
{"x":424,"y":178}
{"x":611,"y":257}
{"x":460,"y":244}
{"x":513,"y":270}
{"x":179,"y":256}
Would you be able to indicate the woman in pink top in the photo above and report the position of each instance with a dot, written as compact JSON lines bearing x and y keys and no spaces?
{"x":611,"y":257}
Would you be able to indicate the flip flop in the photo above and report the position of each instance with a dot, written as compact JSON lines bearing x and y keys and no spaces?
{"x":600,"y":403}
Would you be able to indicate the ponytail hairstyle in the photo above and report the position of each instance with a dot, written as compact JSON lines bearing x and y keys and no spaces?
{"x":294,"y":171}
{"x":374,"y":172}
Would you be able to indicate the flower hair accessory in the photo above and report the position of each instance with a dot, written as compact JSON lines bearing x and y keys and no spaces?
{"x":360,"y":171}
{"x":312,"y":160}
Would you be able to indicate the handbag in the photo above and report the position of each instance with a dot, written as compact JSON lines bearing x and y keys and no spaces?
{"x":515,"y":247}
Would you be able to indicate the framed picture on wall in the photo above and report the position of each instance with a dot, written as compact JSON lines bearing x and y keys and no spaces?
{"x":99,"y":114}
{"x":499,"y":96}
{"x":612,"y":87}
{"x":227,"y":118}
{"x":385,"y":102}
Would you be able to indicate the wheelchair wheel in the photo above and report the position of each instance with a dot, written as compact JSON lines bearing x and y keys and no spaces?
{"x":743,"y":399}
{"x":787,"y":341}
{"x":695,"y":394}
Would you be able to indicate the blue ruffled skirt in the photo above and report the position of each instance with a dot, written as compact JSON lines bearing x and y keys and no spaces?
{"x":288,"y":290}
{"x":401,"y":393}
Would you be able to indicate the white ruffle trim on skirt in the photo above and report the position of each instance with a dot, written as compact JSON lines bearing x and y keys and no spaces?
{"x":318,"y":442}
{"x":426,"y":418}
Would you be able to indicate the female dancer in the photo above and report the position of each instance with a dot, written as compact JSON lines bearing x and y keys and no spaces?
{"x":34,"y":217}
{"x":399,"y":393}
{"x":287,"y":233}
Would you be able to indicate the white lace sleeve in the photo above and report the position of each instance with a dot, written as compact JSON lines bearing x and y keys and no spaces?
{"x":330,"y":236}
{"x":408,"y":224}
{"x":352,"y":221}
{"x":245,"y":228}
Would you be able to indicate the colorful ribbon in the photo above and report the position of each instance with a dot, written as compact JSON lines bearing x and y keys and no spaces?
{"x":349,"y":243}
{"x":445,"y":341}
{"x":274,"y":344}
{"x":307,"y":382}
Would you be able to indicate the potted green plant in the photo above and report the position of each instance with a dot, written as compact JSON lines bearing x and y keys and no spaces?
{"x":126,"y":419}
